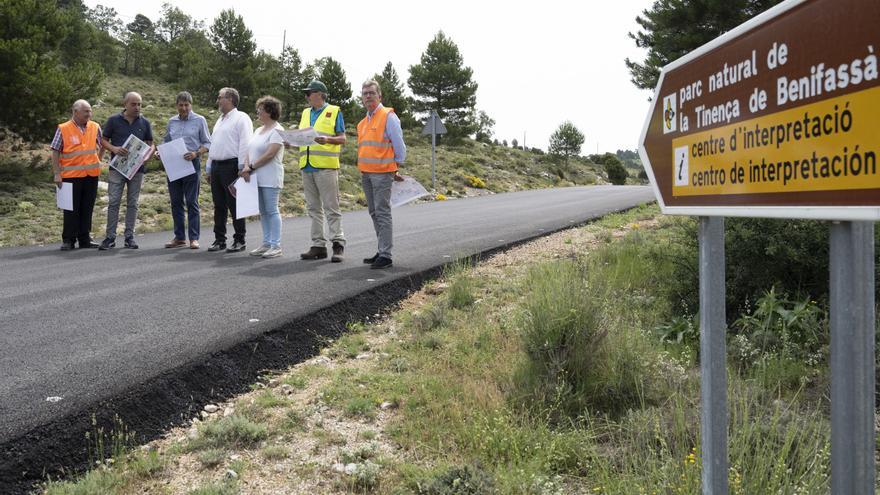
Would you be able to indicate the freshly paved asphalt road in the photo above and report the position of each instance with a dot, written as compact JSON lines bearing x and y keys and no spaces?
{"x":84,"y":326}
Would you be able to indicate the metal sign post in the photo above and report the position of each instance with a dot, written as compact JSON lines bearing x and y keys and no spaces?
{"x":713,"y":360}
{"x":433,"y":127}
{"x":852,"y":357}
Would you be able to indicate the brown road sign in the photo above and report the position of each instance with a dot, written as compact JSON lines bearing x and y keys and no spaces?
{"x":778,"y":118}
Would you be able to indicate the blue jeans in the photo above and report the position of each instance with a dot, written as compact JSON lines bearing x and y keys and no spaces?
{"x":185,"y":192}
{"x":270,"y":217}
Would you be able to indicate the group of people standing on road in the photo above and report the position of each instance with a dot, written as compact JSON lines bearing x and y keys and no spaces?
{"x":234,"y":149}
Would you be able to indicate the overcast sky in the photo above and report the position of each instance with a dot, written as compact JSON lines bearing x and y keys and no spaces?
{"x":537,"y":63}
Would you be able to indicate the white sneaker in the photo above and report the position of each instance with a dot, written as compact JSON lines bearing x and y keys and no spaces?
{"x":260,"y":250}
{"x":272,"y":252}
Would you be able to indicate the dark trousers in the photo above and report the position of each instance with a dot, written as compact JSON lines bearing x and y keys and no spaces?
{"x":78,"y":223}
{"x":223,"y":174}
{"x":184,"y":192}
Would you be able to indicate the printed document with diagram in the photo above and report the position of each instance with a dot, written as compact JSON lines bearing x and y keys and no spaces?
{"x":299,"y":137}
{"x":138,"y":153}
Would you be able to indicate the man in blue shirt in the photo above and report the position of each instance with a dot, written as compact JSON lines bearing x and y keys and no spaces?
{"x":116,"y":130}
{"x":193,"y":128}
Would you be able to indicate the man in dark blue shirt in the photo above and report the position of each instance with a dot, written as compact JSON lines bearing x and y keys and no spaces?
{"x":116,"y":130}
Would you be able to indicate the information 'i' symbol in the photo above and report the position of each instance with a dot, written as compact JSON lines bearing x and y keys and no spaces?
{"x":680,"y":161}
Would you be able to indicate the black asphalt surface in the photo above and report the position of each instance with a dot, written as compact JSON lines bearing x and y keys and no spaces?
{"x":85,"y":326}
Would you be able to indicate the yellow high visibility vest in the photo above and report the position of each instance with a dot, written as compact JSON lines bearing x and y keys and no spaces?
{"x":320,"y":155}
{"x":79,"y":158}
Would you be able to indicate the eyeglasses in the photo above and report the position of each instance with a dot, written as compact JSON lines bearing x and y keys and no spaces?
{"x":369,"y":93}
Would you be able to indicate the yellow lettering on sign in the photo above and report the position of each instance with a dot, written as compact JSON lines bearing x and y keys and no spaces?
{"x":831,"y":145}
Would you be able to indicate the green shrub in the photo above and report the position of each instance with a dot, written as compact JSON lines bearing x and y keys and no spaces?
{"x":616,"y":172}
{"x":581,"y":357}
{"x":96,"y":481}
{"x":230,"y":432}
{"x":791,"y":255}
{"x":461,"y":291}
{"x":217,"y":488}
{"x":211,"y":457}
{"x":680,"y":330}
{"x":780,"y":328}
{"x":275,"y":452}
{"x":146,"y":465}
{"x":430,"y":317}
{"x":465,"y":480}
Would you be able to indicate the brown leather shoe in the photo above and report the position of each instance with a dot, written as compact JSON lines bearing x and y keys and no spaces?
{"x":194,"y":244}
{"x":314,"y":253}
{"x":175,"y":243}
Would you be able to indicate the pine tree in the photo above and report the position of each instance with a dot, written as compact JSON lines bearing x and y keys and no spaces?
{"x":441,"y":82}
{"x":394,"y":97}
{"x":45,"y":52}
{"x":292,"y":83}
{"x":484,"y":127}
{"x":566,"y":141}
{"x":330,"y":72}
{"x":174,"y":31}
{"x":108,"y":48}
{"x":235,"y":47}
{"x":671,"y":29}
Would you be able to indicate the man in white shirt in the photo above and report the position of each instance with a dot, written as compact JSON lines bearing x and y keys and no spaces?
{"x":229,"y":147}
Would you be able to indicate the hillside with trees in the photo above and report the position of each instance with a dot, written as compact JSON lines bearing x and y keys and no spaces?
{"x":57,"y":53}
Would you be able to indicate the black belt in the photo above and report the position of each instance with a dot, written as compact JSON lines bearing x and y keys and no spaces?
{"x":224,"y":162}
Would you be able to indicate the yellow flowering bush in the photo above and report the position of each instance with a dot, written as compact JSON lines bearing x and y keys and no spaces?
{"x":475,"y":181}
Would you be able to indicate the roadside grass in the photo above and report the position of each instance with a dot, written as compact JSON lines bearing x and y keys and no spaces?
{"x":512,"y":377}
{"x":27,"y":208}
{"x":217,"y":488}
{"x":231,"y":432}
{"x":121,"y":476}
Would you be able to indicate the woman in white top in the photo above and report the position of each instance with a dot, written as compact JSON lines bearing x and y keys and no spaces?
{"x":263,"y":163}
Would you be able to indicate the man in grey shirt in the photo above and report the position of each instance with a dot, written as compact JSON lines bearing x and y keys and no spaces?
{"x":193,"y":129}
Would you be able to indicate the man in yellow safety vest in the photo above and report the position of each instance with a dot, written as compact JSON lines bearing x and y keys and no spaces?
{"x":319,"y":164}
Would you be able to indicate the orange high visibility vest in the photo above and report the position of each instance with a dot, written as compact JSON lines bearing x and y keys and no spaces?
{"x":79,"y":158}
{"x":375,"y":153}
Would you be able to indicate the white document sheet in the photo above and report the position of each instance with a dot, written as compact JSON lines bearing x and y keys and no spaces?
{"x":64,"y":196}
{"x":172,"y":159}
{"x":247,"y":200}
{"x":406,"y":191}
{"x":299,"y":137}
